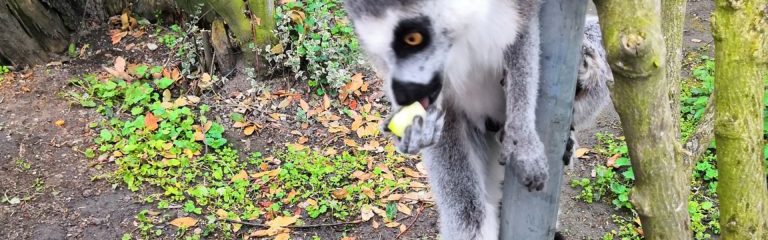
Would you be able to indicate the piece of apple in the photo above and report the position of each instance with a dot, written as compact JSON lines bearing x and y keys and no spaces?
{"x":404,"y":118}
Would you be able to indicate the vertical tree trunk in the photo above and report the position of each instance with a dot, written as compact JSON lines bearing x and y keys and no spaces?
{"x":673,"y":19}
{"x":739,"y":29}
{"x":262,"y":12}
{"x":636,"y":49}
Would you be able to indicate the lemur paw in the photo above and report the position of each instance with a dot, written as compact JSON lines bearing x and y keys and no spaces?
{"x":530,"y":170}
{"x":424,"y":132}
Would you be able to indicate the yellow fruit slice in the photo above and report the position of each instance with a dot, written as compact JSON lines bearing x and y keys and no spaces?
{"x":404,"y":118}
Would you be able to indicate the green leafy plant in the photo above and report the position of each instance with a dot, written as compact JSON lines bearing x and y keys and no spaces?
{"x":316,"y":43}
{"x":4,"y":70}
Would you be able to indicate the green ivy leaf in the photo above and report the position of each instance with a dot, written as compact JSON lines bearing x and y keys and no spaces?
{"x":164,"y":82}
{"x":105,"y":135}
{"x":622,"y":161}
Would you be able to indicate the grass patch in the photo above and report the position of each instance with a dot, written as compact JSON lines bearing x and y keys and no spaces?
{"x":165,"y":148}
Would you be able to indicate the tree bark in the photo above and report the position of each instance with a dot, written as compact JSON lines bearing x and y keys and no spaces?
{"x":739,"y":30}
{"x":637,"y":54}
{"x":222,"y":50}
{"x":262,"y":11}
{"x":40,"y":27}
{"x":673,"y":16}
{"x":33,"y":28}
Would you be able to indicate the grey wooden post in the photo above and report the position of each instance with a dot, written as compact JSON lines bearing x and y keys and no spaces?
{"x":532,"y":215}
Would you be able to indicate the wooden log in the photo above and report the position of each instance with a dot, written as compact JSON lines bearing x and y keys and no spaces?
{"x":207,"y":55}
{"x":222,"y":49}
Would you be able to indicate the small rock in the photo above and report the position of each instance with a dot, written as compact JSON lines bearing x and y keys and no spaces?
{"x":151,"y":46}
{"x":696,"y":40}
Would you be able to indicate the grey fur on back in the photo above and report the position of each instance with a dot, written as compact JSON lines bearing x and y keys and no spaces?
{"x":592,"y":93}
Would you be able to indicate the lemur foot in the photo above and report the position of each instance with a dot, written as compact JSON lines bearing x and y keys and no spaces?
{"x":530,"y":169}
{"x":424,"y":132}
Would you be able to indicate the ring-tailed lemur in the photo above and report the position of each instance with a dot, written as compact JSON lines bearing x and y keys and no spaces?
{"x":473,"y":64}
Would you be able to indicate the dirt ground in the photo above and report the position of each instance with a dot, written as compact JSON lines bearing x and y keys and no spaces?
{"x":42,"y":166}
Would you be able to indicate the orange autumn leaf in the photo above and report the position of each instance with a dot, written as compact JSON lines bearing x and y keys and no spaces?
{"x":116,"y":36}
{"x":612,"y":161}
{"x":304,"y":105}
{"x":249,"y":130}
{"x":150,"y":121}
{"x":326,"y":102}
{"x":184,"y":222}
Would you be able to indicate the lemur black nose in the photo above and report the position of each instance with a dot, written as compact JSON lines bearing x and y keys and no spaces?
{"x":409,"y":92}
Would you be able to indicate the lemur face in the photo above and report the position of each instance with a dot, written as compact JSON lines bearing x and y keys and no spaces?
{"x":407,"y":41}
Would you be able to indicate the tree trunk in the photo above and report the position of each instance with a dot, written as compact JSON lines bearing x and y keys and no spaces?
{"x":39,"y":27}
{"x":262,"y":11}
{"x":739,"y":29}
{"x":637,"y":54}
{"x":222,"y":50}
{"x":33,"y":29}
{"x":673,"y":19}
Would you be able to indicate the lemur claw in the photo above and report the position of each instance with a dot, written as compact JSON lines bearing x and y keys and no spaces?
{"x":530,"y":170}
{"x":424,"y":132}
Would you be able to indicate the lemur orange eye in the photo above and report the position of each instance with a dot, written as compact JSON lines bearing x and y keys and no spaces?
{"x":414,"y":39}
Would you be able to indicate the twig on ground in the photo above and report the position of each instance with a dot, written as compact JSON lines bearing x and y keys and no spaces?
{"x":418,"y":213}
{"x":253,"y":224}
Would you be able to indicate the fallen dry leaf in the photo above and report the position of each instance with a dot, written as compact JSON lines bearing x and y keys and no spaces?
{"x":366,"y":213}
{"x":350,"y":142}
{"x":392,"y":224}
{"x":612,"y":160}
{"x":268,"y":232}
{"x":340,"y":193}
{"x":368,"y":192}
{"x":205,"y":81}
{"x":199,"y":136}
{"x":120,"y":64}
{"x":404,"y":209}
{"x":354,"y":83}
{"x":287,"y":101}
{"x":180,"y":102}
{"x":116,"y":36}
{"x":326,"y":102}
{"x":249,"y":130}
{"x":239,"y":124}
{"x":580,"y":152}
{"x":282,"y":221}
{"x":283,"y":236}
{"x":411,"y":173}
{"x":150,"y":121}
{"x":184,"y":222}
{"x":304,"y":105}
{"x":59,"y":123}
{"x":242,"y":175}
{"x":270,"y":173}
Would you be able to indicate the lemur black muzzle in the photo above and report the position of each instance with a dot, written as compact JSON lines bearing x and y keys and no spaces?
{"x":407,"y":93}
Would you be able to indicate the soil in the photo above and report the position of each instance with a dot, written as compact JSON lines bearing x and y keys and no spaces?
{"x":41,"y":163}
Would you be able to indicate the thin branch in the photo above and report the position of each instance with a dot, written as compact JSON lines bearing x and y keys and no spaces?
{"x":253,"y":224}
{"x":699,"y":140}
{"x":421,"y":209}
